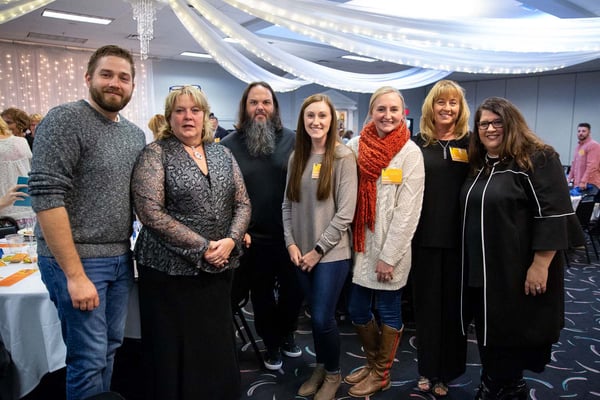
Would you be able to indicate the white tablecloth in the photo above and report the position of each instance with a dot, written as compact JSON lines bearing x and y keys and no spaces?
{"x":30,"y":327}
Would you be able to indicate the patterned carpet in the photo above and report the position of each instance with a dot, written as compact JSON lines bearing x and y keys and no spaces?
{"x":574,"y":372}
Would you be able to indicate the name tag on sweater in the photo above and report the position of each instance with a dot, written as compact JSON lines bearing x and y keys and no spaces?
{"x":391,"y":176}
{"x":459,"y":154}
{"x":316,"y":170}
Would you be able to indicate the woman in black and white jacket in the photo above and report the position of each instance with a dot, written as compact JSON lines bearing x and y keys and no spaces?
{"x":516,"y":208}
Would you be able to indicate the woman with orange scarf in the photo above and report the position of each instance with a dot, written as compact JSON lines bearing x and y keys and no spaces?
{"x":390,"y":193}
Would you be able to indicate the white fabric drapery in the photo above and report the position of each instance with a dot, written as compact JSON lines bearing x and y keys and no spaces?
{"x":432,"y":47}
{"x":482,"y":45}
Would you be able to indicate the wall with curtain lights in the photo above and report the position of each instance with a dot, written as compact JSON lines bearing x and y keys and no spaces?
{"x":36,"y":79}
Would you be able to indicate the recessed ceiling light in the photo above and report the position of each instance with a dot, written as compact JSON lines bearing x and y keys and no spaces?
{"x":197,"y":55}
{"x":76,"y":17}
{"x":58,"y":38}
{"x":359,"y":58}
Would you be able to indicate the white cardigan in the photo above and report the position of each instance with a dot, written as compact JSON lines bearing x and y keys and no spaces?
{"x":397,"y":214}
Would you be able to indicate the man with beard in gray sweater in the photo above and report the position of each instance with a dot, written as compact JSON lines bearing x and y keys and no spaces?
{"x":79,"y":187}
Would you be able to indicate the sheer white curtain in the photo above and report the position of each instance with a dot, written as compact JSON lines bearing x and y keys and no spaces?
{"x":35,"y":79}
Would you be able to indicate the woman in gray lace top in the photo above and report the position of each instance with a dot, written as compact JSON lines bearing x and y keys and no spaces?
{"x":190,"y":196}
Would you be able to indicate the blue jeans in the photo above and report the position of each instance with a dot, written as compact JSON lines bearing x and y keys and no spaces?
{"x":91,"y":337}
{"x":386,"y":302}
{"x":322,"y":287}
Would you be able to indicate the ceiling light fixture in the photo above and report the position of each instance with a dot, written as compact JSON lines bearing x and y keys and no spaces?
{"x":58,"y":38}
{"x":76,"y":17}
{"x":197,"y":55}
{"x":359,"y":58}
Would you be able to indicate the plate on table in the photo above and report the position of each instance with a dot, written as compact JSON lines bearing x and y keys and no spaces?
{"x":26,"y":232}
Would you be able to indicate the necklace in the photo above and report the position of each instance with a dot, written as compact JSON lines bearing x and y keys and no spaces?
{"x":196,"y":153}
{"x":445,"y":147}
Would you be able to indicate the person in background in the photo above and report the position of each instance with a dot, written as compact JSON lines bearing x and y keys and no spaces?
{"x":318,"y":208}
{"x":585,"y":168}
{"x":218,"y":131}
{"x":156,"y":123}
{"x":12,"y":195}
{"x":262,"y":147}
{"x":34,"y":121}
{"x":15,"y":161}
{"x":79,"y":188}
{"x":390,"y":193}
{"x":17,"y":121}
{"x":435,"y":273}
{"x":347,"y":136}
{"x":189,"y":194}
{"x":515,"y":204}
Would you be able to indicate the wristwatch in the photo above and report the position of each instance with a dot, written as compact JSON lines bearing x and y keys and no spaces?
{"x":319,"y":250}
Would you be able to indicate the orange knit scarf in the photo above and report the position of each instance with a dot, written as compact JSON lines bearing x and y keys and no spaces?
{"x":374,"y":154}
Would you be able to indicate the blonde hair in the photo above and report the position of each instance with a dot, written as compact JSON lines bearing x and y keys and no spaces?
{"x":380,"y":92}
{"x":199,"y":100}
{"x":444,"y":88}
{"x":4,"y":130}
{"x":35,"y":118}
{"x":156,"y":123}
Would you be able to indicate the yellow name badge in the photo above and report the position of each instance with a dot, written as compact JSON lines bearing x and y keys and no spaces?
{"x":316,"y":170}
{"x":391,"y":176}
{"x":459,"y":154}
{"x":581,"y":152}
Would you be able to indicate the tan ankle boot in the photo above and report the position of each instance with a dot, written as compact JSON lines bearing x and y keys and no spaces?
{"x":329,"y":387}
{"x":379,"y":377}
{"x":369,"y":338}
{"x":313,"y":383}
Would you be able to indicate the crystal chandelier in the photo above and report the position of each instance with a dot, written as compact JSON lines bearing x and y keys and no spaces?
{"x":144,"y":12}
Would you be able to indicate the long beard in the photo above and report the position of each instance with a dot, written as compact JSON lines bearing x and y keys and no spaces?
{"x":260,"y":138}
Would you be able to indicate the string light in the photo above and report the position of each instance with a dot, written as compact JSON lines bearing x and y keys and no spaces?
{"x":21,"y":9}
{"x":58,"y":78}
{"x":307,"y":71}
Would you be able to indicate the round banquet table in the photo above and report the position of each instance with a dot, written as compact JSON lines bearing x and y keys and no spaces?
{"x":30,"y":328}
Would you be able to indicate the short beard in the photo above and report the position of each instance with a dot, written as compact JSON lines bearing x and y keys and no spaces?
{"x":260,"y":138}
{"x":116,"y":106}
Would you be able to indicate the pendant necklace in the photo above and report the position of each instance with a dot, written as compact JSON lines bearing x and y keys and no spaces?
{"x":444,"y":147}
{"x":196,"y":153}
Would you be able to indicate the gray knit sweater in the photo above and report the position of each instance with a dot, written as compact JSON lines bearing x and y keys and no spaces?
{"x":83,"y":161}
{"x":324,"y":222}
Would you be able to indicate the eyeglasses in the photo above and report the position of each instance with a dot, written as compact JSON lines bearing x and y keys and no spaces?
{"x":484,"y":125}
{"x":179,"y":87}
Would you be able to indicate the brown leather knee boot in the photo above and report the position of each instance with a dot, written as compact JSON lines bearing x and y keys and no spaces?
{"x":379,"y":376}
{"x":369,"y":338}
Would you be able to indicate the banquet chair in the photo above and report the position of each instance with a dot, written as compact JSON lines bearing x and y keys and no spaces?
{"x":238,"y":311}
{"x":240,"y":295}
{"x":584,"y":211}
{"x":8,"y":226}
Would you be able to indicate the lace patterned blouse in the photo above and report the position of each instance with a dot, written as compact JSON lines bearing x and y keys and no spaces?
{"x":182,"y":209}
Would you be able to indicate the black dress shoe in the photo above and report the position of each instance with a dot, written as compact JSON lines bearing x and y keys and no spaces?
{"x":513,"y":390}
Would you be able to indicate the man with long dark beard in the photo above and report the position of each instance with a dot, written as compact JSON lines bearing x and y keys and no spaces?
{"x":262,"y":146}
{"x":79,"y":185}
